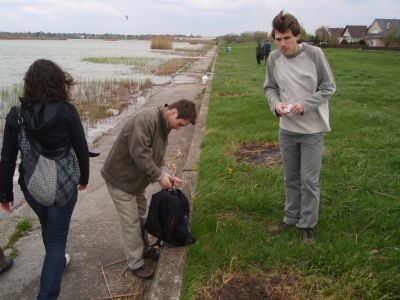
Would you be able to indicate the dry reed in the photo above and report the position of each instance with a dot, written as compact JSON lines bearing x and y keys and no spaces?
{"x":161,"y":42}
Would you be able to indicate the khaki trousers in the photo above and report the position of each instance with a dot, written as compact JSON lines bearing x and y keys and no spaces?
{"x":132,"y":210}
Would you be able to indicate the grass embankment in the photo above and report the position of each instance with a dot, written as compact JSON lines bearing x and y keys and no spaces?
{"x":357,"y":255}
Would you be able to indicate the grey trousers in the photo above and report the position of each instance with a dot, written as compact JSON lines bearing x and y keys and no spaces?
{"x":301,"y":156}
{"x":132,"y":211}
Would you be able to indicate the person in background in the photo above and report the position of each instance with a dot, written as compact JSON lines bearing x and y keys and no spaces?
{"x":298,"y":84}
{"x":6,"y":262}
{"x":55,"y":123}
{"x":259,"y":53}
{"x":135,"y":160}
{"x":266,"y":50}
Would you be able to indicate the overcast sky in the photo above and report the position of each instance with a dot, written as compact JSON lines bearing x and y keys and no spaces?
{"x":199,"y":17}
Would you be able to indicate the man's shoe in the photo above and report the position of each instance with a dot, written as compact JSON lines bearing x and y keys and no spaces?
{"x":281,"y":227}
{"x":152,"y":253}
{"x":8,"y":263}
{"x":308,"y":236}
{"x":144,"y":272}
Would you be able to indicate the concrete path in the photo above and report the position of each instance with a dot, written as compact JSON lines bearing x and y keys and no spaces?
{"x":95,"y":240}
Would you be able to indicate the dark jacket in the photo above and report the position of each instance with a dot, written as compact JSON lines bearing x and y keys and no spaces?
{"x":55,"y":125}
{"x":137,"y":156}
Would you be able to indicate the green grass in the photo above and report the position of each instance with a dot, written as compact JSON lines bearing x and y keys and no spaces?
{"x":22,"y":227}
{"x":357,"y":255}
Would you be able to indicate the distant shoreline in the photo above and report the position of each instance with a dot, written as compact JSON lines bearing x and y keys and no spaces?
{"x":31,"y":38}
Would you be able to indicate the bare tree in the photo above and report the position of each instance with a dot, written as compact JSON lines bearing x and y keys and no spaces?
{"x":322,"y":33}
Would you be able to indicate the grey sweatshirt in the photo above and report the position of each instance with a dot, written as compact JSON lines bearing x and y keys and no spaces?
{"x":305,"y":77}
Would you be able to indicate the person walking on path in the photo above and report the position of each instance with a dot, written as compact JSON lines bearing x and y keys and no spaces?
{"x":298,"y":85}
{"x":135,"y":160}
{"x":53,"y":121}
{"x":259,"y":53}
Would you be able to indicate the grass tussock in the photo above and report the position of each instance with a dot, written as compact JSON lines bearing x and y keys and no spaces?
{"x":161,"y":42}
{"x":20,"y":230}
{"x":358,"y":237}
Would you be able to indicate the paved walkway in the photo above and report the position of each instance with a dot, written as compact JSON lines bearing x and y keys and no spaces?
{"x":95,"y":241}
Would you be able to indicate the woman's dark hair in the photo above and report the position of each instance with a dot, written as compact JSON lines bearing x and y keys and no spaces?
{"x":45,"y":81}
{"x":284,"y":21}
{"x":186,"y":110}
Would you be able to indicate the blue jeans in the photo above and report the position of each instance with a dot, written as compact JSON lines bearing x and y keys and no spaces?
{"x":55,"y":226}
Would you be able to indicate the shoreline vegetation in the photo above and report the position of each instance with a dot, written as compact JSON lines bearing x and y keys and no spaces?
{"x":94,"y":100}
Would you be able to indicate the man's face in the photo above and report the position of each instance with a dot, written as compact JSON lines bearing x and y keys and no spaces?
{"x":173,"y":122}
{"x":286,"y":42}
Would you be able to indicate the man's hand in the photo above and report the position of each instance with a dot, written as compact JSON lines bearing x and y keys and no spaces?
{"x":297,"y":108}
{"x":165,"y":181}
{"x":284,"y":109}
{"x":280,"y":109}
{"x":81,"y":187}
{"x":7,"y":206}
{"x":176,"y":181}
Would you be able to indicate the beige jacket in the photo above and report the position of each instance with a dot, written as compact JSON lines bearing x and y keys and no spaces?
{"x":137,"y":156}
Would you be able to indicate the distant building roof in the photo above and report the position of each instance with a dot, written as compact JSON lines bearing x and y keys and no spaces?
{"x":384,"y":25}
{"x":356,"y":31}
{"x":335,"y":31}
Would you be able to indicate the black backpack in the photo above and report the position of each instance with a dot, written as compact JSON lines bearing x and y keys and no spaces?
{"x":168,"y":218}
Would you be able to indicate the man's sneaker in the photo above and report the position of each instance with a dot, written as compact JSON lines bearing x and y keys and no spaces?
{"x":144,"y":272}
{"x":152,"y":253}
{"x":308,"y":236}
{"x":281,"y":227}
{"x":67,"y":259}
{"x":7,"y":264}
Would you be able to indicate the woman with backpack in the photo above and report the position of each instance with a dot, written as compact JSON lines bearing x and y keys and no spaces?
{"x":46,"y":125}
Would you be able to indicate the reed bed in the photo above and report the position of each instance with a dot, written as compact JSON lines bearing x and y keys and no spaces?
{"x":147,"y":65}
{"x":161,"y":42}
{"x":94,"y":100}
{"x":171,"y":66}
{"x":141,"y":64}
{"x":101,"y":99}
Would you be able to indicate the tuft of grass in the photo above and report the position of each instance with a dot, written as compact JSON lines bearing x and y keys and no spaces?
{"x":358,"y":238}
{"x":20,"y":230}
{"x":161,"y":42}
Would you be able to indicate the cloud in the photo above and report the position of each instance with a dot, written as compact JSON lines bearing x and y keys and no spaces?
{"x":205,"y":17}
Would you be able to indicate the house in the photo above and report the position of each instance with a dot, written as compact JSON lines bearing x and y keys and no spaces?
{"x":378,"y":29}
{"x":354,"y":33}
{"x":335,"y":33}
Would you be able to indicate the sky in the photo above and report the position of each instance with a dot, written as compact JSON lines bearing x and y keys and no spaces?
{"x":199,"y":17}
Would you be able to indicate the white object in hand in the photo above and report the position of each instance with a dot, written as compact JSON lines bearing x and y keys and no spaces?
{"x":288,"y":108}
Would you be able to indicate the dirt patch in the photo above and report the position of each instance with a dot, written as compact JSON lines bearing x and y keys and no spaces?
{"x":243,"y":286}
{"x":262,"y":154}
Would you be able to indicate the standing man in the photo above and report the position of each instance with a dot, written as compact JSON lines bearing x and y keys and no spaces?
{"x":259,"y":53}
{"x":136,"y":160}
{"x":267,"y":50}
{"x":298,"y":85}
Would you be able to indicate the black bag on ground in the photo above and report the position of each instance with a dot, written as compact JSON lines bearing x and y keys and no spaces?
{"x":168,"y":218}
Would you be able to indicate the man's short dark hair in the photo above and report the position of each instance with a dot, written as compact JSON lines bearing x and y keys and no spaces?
{"x":284,"y":21}
{"x":186,"y":110}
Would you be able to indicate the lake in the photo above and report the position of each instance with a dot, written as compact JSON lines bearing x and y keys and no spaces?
{"x":17,"y":55}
